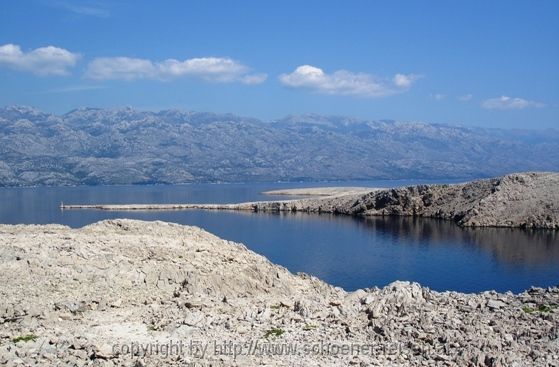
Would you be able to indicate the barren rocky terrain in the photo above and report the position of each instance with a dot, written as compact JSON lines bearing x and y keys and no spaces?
{"x":527,"y":200}
{"x":132,"y":293}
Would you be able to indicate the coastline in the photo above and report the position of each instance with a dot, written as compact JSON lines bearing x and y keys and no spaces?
{"x":522,"y":200}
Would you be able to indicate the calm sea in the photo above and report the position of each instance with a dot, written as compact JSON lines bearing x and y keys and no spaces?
{"x":348,"y":252}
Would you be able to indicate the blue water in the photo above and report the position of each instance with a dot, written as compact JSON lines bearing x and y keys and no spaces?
{"x":348,"y":252}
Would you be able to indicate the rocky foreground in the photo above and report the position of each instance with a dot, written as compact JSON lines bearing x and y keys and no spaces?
{"x":134,"y":293}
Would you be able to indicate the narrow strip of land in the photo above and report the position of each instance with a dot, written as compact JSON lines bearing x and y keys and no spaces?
{"x":126,"y":207}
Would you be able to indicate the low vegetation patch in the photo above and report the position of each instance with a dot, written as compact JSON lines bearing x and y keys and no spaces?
{"x":274,"y":332}
{"x":25,"y":338}
{"x":540,"y":308}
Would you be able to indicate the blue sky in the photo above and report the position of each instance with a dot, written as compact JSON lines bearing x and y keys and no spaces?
{"x":474,"y":63}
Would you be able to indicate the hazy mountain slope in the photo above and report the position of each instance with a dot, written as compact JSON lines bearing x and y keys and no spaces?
{"x":95,"y":146}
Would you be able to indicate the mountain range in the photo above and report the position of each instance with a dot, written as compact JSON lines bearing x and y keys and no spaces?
{"x":126,"y":146}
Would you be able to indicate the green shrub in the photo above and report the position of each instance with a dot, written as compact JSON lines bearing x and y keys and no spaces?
{"x":25,"y":338}
{"x":274,"y":332}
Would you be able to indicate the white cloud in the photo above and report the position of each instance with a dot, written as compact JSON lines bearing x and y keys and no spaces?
{"x":438,"y":96}
{"x":252,"y":79}
{"x":509,"y":103}
{"x":465,"y":98}
{"x":344,"y":82}
{"x":125,"y":68}
{"x":47,"y":60}
{"x":216,"y":69}
{"x":404,"y":81}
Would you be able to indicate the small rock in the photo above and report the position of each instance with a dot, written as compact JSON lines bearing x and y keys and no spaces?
{"x":71,"y":306}
{"x":117,"y":303}
{"x":286,"y":303}
{"x":103,"y":351}
{"x":495,"y":304}
{"x":367,"y":300}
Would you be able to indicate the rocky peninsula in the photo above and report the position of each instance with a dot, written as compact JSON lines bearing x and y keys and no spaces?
{"x":133,"y":293}
{"x":525,"y":200}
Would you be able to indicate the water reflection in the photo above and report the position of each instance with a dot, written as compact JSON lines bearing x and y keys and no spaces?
{"x":511,"y":245}
{"x":364,"y":252}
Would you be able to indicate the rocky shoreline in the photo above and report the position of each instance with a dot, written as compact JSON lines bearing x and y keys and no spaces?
{"x":133,"y":293}
{"x":523,"y":200}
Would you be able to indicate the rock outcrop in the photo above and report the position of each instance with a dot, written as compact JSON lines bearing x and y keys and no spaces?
{"x":527,"y":200}
{"x":124,"y":292}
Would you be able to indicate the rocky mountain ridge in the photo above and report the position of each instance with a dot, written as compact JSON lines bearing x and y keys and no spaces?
{"x":126,"y":146}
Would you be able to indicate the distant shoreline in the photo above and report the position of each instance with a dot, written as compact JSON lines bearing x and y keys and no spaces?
{"x":330,"y":191}
{"x":523,"y":200}
{"x":322,"y":191}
